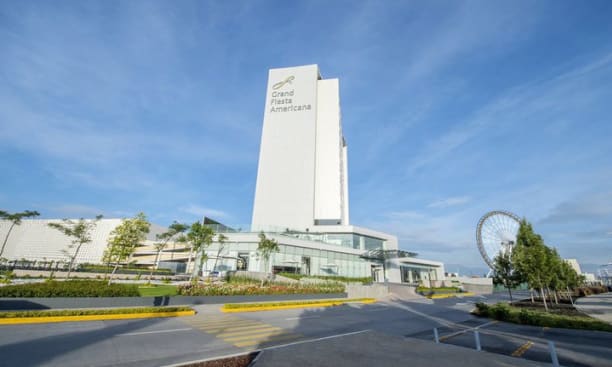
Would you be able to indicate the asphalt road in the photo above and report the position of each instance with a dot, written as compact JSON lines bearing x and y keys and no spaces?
{"x":157,"y":342}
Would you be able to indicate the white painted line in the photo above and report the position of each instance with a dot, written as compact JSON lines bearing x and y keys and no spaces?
{"x":302,"y":318}
{"x":317,"y":339}
{"x":155,"y":332}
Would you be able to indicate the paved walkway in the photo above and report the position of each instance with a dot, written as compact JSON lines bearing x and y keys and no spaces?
{"x":597,"y":305}
{"x":370,"y":348}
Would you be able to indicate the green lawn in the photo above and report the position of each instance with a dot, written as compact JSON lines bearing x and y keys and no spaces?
{"x":157,"y":290}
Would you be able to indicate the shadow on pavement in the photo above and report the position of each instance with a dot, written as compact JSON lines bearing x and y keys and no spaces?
{"x":34,"y":352}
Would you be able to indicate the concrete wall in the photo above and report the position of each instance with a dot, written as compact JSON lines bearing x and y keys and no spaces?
{"x":97,"y":302}
{"x":367,"y":291}
{"x":475,"y":285}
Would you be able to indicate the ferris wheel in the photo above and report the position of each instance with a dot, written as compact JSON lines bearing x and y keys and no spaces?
{"x":496,"y":232}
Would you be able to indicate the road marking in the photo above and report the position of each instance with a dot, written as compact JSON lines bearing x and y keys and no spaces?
{"x":522,"y":349}
{"x":272,"y":338}
{"x":258,"y":336}
{"x":445,"y":337}
{"x":317,"y":339}
{"x":242,"y":332}
{"x":155,"y":332}
{"x":259,"y":330}
{"x":302,"y":318}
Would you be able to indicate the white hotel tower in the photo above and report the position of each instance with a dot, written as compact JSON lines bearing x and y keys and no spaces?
{"x":302,"y":178}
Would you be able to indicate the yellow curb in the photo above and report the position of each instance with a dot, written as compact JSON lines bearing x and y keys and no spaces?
{"x":449,"y":295}
{"x":46,"y":319}
{"x":286,"y":307}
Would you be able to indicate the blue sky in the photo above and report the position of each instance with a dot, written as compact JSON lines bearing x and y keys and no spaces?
{"x":450,"y":109}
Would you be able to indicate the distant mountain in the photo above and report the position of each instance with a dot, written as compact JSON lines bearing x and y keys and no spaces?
{"x":466,"y":270}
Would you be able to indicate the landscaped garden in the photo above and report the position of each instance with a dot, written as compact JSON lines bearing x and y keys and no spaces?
{"x":564,"y":317}
{"x":101,"y":288}
{"x":246,"y":286}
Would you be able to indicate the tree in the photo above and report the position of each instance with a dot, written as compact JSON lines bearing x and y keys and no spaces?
{"x":173,"y":231}
{"x":124,"y":240}
{"x":530,"y":257}
{"x":79,"y":232}
{"x":199,"y":238}
{"x":265,"y":249}
{"x":15,"y":220}
{"x":221,"y":238}
{"x":504,"y":272}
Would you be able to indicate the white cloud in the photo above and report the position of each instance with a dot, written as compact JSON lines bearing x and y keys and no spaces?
{"x":452,"y":201}
{"x":203,"y":211}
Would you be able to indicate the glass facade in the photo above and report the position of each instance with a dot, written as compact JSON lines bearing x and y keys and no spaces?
{"x":296,"y":259}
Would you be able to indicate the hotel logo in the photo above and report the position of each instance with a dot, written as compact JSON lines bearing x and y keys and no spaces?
{"x":282,"y":83}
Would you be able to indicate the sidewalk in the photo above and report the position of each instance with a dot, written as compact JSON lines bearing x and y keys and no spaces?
{"x":369,"y":348}
{"x":598,"y":306}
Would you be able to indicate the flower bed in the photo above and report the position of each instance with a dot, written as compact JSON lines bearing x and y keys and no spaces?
{"x":250,"y":289}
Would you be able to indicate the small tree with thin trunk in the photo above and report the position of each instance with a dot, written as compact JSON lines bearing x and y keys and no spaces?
{"x":199,"y":238}
{"x":504,"y":272}
{"x":15,"y":219}
{"x":221,"y":239}
{"x":80,"y":234}
{"x":265,"y":249}
{"x":124,"y":240}
{"x":530,"y":257}
{"x":173,"y":231}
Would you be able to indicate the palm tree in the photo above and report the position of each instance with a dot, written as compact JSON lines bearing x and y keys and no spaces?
{"x":199,"y":237}
{"x":174,"y":230}
{"x":221,"y":238}
{"x":15,"y":219}
{"x":265,"y":248}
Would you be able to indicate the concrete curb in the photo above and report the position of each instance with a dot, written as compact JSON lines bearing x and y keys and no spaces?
{"x":292,"y":306}
{"x":126,"y":316}
{"x":450,"y":295}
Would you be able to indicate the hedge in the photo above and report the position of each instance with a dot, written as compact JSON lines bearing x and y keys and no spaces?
{"x":234,"y":306}
{"x":70,"y":288}
{"x":105,"y":311}
{"x":105,"y":269}
{"x":503,"y":312}
{"x":335,"y":278}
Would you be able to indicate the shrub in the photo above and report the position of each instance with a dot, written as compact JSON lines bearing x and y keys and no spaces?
{"x":422,"y":289}
{"x":70,"y":288}
{"x":503,"y":312}
{"x":81,"y":312}
{"x":235,"y":306}
{"x":250,"y":288}
{"x":334,"y":278}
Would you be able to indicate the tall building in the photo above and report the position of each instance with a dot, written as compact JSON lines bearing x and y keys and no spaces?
{"x":302,"y":175}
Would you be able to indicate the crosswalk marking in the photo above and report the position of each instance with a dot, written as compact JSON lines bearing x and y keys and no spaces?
{"x":241,"y":332}
{"x":267,"y":333}
{"x":251,"y":330}
{"x":251,"y":343}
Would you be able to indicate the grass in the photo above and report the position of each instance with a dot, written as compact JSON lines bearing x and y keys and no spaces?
{"x":157,"y":290}
{"x":84,"y":312}
{"x":516,"y":315}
